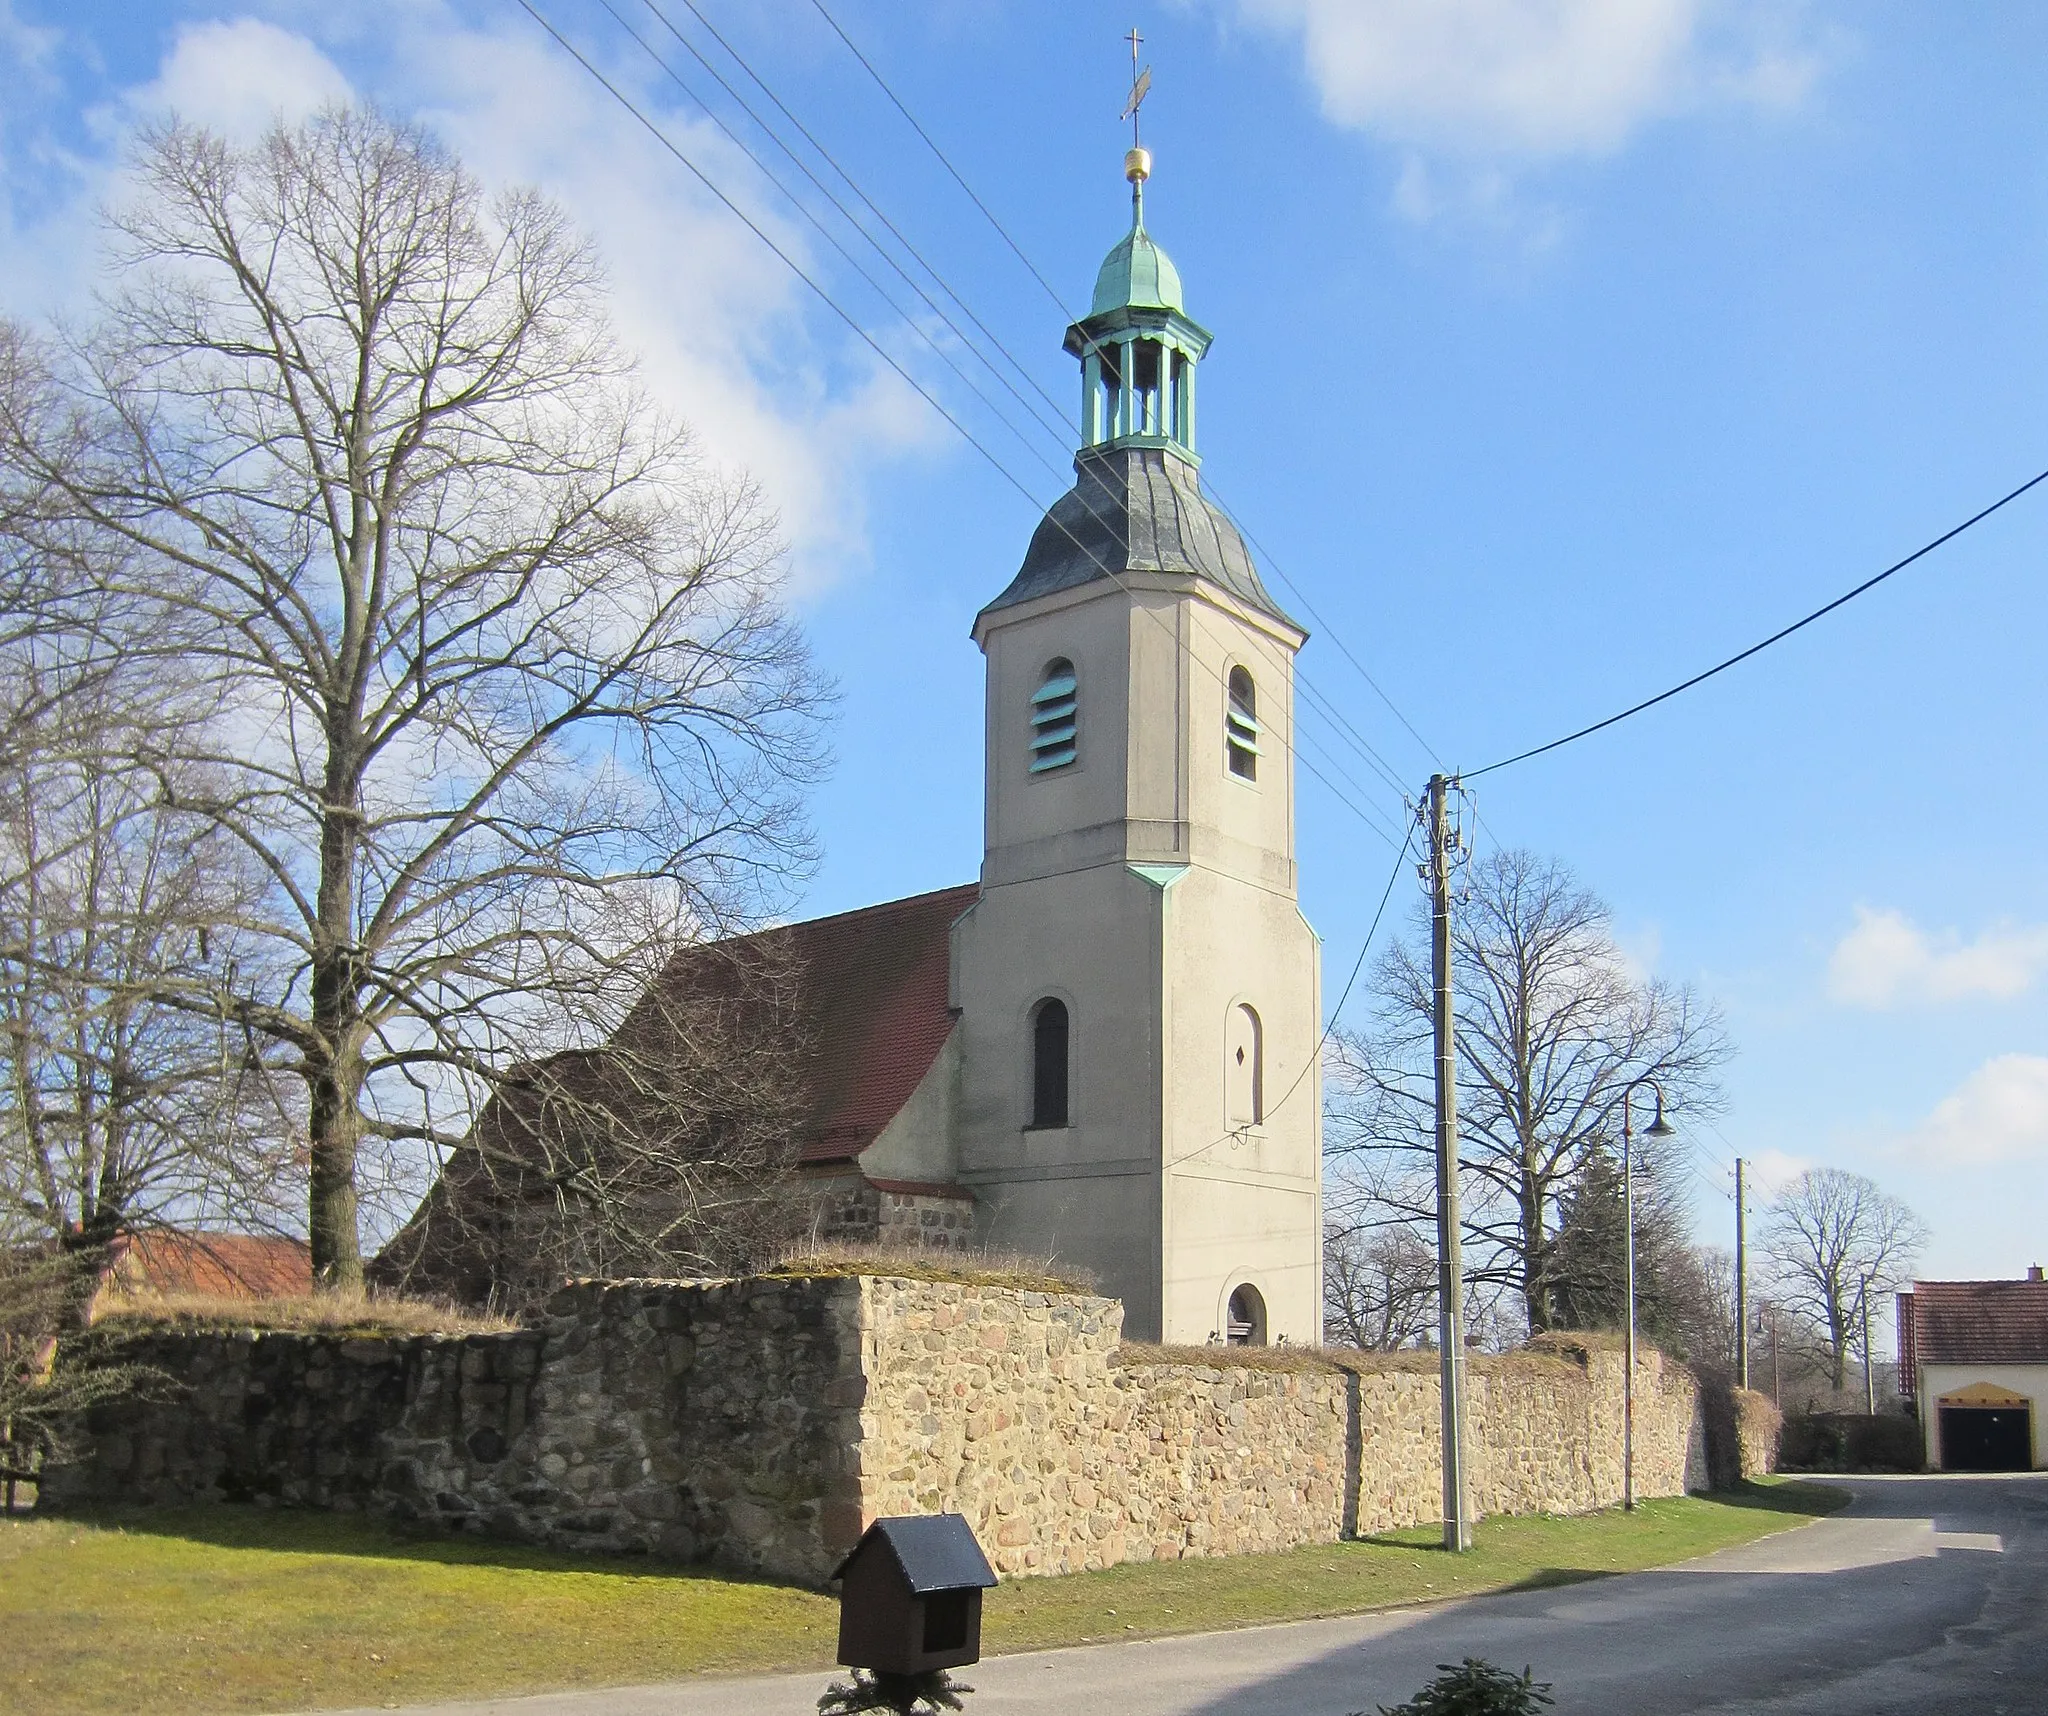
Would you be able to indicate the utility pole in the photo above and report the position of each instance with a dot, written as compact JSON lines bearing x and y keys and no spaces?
{"x":1869,"y":1381}
{"x":1450,"y":1263}
{"x":1741,"y":1282}
{"x":1777,"y":1375}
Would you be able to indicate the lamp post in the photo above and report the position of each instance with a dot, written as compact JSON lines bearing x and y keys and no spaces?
{"x":1659,"y":1127}
{"x":1869,"y":1378}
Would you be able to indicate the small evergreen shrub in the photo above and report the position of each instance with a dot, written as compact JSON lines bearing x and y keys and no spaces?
{"x":1475,"y":1688}
{"x":894,"y":1694}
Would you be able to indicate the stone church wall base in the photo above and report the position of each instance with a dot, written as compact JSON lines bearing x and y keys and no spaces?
{"x":760,"y":1424}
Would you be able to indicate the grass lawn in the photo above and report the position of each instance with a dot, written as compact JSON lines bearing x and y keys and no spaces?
{"x":239,"y":1609}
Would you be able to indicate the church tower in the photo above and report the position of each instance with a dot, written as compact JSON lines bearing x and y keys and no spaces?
{"x":1137,"y":990}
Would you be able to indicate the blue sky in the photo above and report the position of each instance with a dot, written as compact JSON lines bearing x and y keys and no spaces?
{"x":1563,"y":347}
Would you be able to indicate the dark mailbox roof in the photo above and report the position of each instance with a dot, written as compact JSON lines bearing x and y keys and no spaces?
{"x":1135,"y":509}
{"x":936,"y":1551}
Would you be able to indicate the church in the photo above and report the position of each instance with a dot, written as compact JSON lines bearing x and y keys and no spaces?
{"x":1104,"y":1051}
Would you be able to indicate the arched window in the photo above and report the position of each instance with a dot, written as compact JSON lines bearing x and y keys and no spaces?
{"x":1247,"y":1317}
{"x":1049,"y":1063}
{"x":1055,"y":717}
{"x":1244,"y":1068}
{"x":1241,"y":726}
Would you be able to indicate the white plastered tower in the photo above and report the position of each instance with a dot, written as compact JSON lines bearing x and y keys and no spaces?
{"x":1138,"y":998}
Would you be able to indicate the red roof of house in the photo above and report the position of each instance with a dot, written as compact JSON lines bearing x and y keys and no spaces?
{"x":872,"y":995}
{"x":223,"y":1265}
{"x":1980,"y":1322}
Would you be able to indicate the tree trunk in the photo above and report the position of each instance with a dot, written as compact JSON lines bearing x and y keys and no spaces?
{"x":1838,"y":1346}
{"x":334,"y":1064}
{"x":1535,"y":1254}
{"x":335,"y":1084}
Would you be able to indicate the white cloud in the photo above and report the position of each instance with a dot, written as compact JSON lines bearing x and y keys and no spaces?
{"x":721,"y":324}
{"x":1529,"y":77}
{"x":1887,"y":959}
{"x":29,"y":48}
{"x":1999,"y":1114}
{"x":1641,"y":950}
{"x":1469,"y":89}
{"x":1769,"y":1172}
{"x":1537,"y":77}
{"x":237,"y":78}
{"x":729,"y":341}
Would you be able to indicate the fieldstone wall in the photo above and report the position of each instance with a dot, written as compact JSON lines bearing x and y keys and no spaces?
{"x":760,"y":1424}
{"x":855,"y":1210}
{"x":1020,"y":1411}
{"x":700,"y":1422}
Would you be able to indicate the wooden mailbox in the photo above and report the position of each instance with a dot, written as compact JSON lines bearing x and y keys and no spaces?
{"x":910,"y":1595}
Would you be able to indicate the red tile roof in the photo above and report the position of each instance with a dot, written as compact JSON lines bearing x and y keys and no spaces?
{"x":1978,"y":1322}
{"x":873,"y":990}
{"x":223,"y":1265}
{"x":862,"y":998}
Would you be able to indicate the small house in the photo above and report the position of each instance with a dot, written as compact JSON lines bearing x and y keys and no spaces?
{"x":910,"y":1595}
{"x":1973,"y":1356}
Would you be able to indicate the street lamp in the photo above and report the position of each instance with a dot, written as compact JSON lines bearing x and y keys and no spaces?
{"x":1869,"y":1378}
{"x":1659,"y":1127}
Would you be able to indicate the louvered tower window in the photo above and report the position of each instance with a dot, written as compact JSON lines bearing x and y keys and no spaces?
{"x":1055,"y":709}
{"x":1241,"y":726}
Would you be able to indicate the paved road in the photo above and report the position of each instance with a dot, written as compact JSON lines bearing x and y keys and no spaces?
{"x":1927,"y":1595}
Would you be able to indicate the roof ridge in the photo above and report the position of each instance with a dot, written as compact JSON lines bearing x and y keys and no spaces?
{"x":875,"y":910}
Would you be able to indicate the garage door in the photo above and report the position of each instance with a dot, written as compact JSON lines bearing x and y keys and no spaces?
{"x":1986,"y":1439}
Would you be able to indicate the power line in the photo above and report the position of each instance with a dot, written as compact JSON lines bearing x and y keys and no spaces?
{"x":1775,"y":637}
{"x":1309,"y":608}
{"x":825,"y":233}
{"x":1057,"y":423}
{"x":863,"y":334}
{"x":1051,"y":291}
{"x":960,"y":179}
{"x":1054,"y":425}
{"x":1329,"y":1029}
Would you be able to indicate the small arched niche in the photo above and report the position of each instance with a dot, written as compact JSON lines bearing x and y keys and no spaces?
{"x":1245,"y":1317}
{"x":1244,"y":1067}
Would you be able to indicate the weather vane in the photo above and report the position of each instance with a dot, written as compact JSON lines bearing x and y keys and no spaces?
{"x":1138,"y":163}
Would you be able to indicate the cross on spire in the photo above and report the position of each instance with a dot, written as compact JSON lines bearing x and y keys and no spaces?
{"x":1141,"y":82}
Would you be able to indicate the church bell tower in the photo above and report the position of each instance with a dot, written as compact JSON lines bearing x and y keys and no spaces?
{"x":1137,"y":989}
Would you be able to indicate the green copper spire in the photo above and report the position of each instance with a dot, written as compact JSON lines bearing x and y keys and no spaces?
{"x":1137,"y":346}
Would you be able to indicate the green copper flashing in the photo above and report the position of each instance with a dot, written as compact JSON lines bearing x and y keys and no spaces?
{"x":1161,"y":876}
{"x":1137,"y":275}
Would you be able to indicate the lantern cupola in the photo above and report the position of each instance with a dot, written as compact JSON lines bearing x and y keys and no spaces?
{"x":1137,"y":346}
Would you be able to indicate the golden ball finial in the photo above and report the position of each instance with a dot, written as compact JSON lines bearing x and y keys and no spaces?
{"x":1138,"y":165}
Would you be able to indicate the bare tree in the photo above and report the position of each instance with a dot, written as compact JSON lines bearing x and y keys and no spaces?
{"x":509,"y":709}
{"x":1704,"y":1308}
{"x":670,"y":1150}
{"x":117,"y":1112}
{"x":1551,"y":1029}
{"x":1379,"y":1287}
{"x":1829,"y":1237}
